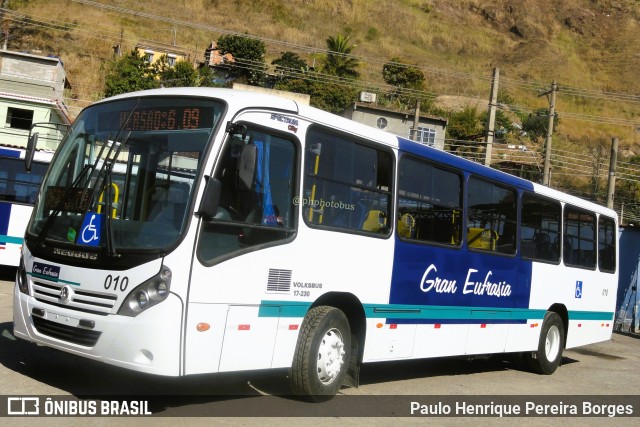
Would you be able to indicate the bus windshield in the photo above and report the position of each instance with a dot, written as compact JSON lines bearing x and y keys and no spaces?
{"x":123,"y":177}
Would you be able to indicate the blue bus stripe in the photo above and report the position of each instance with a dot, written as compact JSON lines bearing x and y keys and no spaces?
{"x":440,"y":313}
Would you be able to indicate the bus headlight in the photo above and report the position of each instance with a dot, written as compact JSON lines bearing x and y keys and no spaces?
{"x":148,"y":294}
{"x":22,"y":279}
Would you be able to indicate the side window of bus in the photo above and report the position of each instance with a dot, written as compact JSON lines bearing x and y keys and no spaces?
{"x":257,"y":176}
{"x":346,"y":184}
{"x":540,"y":228}
{"x":606,"y":244}
{"x":579,"y":238}
{"x":18,"y":185}
{"x":491,"y":222}
{"x":429,"y":203}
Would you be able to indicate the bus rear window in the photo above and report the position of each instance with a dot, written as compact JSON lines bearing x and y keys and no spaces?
{"x":579,"y":238}
{"x":607,"y":244}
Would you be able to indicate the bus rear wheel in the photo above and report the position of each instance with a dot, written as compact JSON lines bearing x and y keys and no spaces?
{"x":547,"y":358}
{"x":322,"y":354}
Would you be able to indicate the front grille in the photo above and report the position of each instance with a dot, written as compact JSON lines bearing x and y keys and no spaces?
{"x":81,"y":300}
{"x":67,"y":333}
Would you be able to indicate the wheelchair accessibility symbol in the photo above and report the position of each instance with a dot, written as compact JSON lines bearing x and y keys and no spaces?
{"x":579,"y":289}
{"x":90,"y":230}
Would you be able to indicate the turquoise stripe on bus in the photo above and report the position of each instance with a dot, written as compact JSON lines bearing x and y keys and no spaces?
{"x":398,"y":311}
{"x":52,"y":279}
{"x":591,"y":315}
{"x":283,"y":309}
{"x":11,"y":239}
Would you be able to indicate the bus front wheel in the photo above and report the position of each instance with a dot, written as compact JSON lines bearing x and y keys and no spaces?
{"x":322,"y":354}
{"x":549,"y":354}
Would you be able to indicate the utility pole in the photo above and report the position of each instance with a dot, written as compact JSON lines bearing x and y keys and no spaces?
{"x":547,"y":148}
{"x":5,"y":5}
{"x":492,"y":116}
{"x":613,"y":159}
{"x":416,"y":121}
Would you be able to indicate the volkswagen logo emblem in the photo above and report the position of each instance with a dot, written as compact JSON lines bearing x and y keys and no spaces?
{"x":66,"y":293}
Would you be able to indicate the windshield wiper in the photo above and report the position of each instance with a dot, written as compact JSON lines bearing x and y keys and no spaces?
{"x":63,"y":202}
{"x":104,"y":179}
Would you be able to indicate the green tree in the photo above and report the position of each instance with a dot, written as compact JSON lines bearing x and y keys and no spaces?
{"x":401,"y":75}
{"x":339,"y":61}
{"x":535,"y":124}
{"x":503,"y":124}
{"x":248,"y":58}
{"x":181,"y":74}
{"x":329,"y":97}
{"x":207,"y":77}
{"x":465,"y":125}
{"x":407,"y":79}
{"x":289,"y":61}
{"x":129,"y":73}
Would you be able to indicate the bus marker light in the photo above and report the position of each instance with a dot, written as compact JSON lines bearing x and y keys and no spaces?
{"x":393,"y":326}
{"x":482,"y":326}
{"x":202,"y":327}
{"x":534,"y":325}
{"x":579,"y":325}
{"x":244,"y":327}
{"x":379,"y":325}
{"x":437,"y":326}
{"x":293,"y":327}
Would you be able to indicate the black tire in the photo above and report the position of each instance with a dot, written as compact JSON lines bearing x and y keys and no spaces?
{"x":322,"y":354}
{"x":547,"y":358}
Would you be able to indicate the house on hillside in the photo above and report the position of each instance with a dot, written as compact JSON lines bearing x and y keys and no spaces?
{"x":153,"y":51}
{"x":430,"y":130}
{"x":213,"y":57}
{"x":218,"y":61}
{"x":32,"y":95}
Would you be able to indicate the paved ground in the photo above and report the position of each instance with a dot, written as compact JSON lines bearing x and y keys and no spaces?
{"x":603,"y":369}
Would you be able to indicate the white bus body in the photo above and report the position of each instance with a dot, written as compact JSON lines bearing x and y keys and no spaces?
{"x":293,"y":238}
{"x":18,"y":191}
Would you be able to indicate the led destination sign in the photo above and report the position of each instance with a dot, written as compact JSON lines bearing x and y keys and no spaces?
{"x":168,"y":118}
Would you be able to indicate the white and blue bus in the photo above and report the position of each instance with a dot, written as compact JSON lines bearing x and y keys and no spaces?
{"x":252,"y":232}
{"x":18,"y":190}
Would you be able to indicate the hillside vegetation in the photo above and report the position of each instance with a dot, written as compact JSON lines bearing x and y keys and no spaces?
{"x":590,"y":47}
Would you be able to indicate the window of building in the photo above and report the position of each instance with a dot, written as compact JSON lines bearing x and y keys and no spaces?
{"x":607,"y":244}
{"x":425,"y":136}
{"x":347,"y":184}
{"x":540,"y":228}
{"x":579,"y":238}
{"x":171,"y":60}
{"x":19,"y":118}
{"x":148,"y":56}
{"x":492,"y":221}
{"x":429,"y":203}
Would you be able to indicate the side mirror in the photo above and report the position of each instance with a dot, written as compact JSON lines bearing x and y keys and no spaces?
{"x":31,"y":151}
{"x":210,"y":199}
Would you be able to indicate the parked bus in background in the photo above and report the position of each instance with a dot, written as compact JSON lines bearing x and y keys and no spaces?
{"x":251,"y":232}
{"x":18,"y":191}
